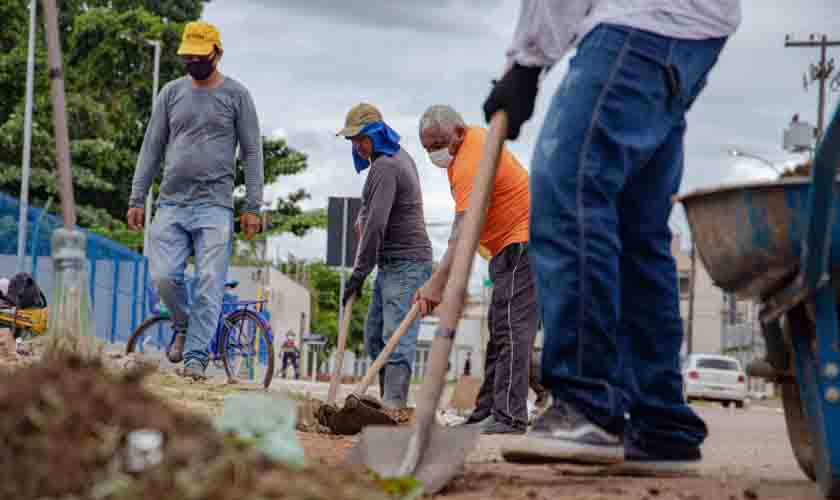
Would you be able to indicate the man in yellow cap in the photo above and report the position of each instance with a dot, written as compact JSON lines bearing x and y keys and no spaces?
{"x":393,"y":238}
{"x":197,"y":123}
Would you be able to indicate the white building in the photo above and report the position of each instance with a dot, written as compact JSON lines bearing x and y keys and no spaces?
{"x":471,"y":337}
{"x":708,"y":302}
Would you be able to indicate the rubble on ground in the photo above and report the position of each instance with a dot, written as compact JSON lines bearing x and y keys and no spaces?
{"x":65,"y":421}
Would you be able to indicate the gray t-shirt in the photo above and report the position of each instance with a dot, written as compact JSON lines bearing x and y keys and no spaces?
{"x":392,"y":222}
{"x":197,"y":131}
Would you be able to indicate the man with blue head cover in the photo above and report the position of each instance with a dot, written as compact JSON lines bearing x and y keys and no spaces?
{"x":393,"y":238}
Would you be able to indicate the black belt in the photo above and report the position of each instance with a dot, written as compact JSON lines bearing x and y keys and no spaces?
{"x":384,"y":261}
{"x":519,"y":248}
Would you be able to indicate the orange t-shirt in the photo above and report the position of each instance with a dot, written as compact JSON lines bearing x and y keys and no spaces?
{"x":507,"y":216}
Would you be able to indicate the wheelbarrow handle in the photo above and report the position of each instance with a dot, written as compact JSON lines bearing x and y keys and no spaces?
{"x":380,"y":361}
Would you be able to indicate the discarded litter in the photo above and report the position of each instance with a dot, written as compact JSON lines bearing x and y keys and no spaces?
{"x":143,"y":449}
{"x":266,"y":421}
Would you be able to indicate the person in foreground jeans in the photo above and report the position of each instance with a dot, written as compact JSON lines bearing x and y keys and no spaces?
{"x":606,"y":164}
{"x":197,"y":123}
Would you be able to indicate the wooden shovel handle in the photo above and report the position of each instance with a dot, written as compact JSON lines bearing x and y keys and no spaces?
{"x":344,"y":328}
{"x":362,"y":387}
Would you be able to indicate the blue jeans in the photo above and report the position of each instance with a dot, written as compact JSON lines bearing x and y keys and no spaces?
{"x":607,"y":162}
{"x":179,"y":231}
{"x":393,"y":291}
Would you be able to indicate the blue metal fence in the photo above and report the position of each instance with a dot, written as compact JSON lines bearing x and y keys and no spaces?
{"x":117,"y":275}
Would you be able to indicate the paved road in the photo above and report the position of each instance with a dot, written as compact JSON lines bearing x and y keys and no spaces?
{"x":747,"y":456}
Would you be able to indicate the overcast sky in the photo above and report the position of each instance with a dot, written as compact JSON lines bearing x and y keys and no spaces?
{"x":306,"y":62}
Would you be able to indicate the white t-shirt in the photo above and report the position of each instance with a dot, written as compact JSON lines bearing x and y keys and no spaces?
{"x":548,"y":29}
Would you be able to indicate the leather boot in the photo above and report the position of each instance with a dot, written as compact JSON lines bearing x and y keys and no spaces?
{"x":397,"y":383}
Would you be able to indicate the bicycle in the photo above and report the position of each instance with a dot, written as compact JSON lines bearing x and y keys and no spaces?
{"x":243,"y":341}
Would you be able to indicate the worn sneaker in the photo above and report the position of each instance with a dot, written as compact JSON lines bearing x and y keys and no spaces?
{"x":664,"y":461}
{"x":498,"y":427}
{"x":193,"y":370}
{"x":176,"y":350}
{"x":562,"y":434}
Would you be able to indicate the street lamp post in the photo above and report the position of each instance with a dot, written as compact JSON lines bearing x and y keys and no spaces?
{"x":740,"y":154}
{"x":27,"y":141}
{"x":149,"y":198}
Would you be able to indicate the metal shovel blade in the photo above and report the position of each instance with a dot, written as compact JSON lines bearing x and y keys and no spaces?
{"x":382,"y":449}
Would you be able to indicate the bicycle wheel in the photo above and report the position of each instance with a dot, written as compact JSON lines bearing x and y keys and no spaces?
{"x":247,"y":348}
{"x":152,"y":337}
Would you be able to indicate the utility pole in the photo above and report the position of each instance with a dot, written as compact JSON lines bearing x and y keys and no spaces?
{"x":147,"y":216}
{"x":692,"y":276}
{"x":25,"y":168}
{"x":820,"y":72}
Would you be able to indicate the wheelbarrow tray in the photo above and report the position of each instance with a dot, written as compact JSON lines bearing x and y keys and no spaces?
{"x":749,"y":236}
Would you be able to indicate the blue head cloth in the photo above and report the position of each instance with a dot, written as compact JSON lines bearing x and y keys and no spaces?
{"x":385,"y":141}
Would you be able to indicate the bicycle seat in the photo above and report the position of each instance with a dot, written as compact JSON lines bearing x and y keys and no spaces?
{"x":231,"y":284}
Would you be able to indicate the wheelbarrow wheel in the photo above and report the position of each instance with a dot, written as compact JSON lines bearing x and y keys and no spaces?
{"x":798,"y":431}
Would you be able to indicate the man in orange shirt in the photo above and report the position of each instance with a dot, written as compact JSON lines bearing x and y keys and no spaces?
{"x":501,"y":407}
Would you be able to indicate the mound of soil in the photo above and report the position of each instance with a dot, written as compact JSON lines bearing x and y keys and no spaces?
{"x":801,"y":170}
{"x":63,"y":424}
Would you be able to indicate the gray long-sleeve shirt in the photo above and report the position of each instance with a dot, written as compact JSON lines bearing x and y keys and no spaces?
{"x":392,"y":221}
{"x":197,"y":131}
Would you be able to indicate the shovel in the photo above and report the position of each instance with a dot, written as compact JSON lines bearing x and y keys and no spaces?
{"x":361,"y":410}
{"x":327,"y":409}
{"x":430,"y":453}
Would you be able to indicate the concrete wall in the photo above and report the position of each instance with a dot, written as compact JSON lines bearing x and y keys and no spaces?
{"x":708,"y":302}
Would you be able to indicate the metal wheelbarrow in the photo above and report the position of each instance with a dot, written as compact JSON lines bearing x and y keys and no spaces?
{"x":779,"y":243}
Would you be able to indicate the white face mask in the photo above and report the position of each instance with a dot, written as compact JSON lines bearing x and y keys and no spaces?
{"x":441,"y":157}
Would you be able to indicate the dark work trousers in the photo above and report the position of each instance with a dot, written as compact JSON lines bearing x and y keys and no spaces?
{"x":290,"y":358}
{"x":512,"y":318}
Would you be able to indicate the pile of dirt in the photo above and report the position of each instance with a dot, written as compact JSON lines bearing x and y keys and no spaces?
{"x":64,"y":422}
{"x":801,"y":170}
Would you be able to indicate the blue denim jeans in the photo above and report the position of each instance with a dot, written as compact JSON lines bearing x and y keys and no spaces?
{"x":607,"y":162}
{"x":393,"y":291}
{"x":177,"y":232}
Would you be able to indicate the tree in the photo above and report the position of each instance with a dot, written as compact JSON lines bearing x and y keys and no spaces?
{"x":324,"y":284}
{"x":108,"y":73}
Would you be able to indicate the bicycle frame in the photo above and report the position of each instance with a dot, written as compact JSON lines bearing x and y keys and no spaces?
{"x":215,"y":347}
{"x":229,"y":308}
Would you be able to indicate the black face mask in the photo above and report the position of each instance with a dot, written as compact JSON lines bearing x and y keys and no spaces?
{"x":201,"y":69}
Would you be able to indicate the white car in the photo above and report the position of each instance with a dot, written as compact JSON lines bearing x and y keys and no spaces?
{"x":716,"y":378}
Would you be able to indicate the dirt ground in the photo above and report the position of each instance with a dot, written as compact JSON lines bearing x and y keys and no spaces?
{"x":746,"y":456}
{"x":64,"y":424}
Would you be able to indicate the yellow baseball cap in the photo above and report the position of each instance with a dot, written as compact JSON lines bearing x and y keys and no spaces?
{"x":199,"y":39}
{"x":360,"y":115}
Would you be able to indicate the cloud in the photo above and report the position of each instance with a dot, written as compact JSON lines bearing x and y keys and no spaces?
{"x":306,"y":62}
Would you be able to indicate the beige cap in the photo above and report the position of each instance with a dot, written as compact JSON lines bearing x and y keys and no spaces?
{"x":360,"y":115}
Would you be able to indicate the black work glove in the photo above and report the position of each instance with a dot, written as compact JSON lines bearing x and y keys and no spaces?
{"x":515,"y":94}
{"x":353,"y":287}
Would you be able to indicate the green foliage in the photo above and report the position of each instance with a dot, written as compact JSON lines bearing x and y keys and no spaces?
{"x":108,"y":67}
{"x":324,"y":282}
